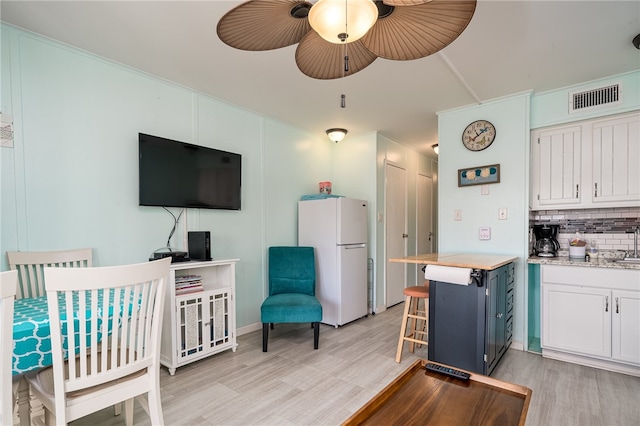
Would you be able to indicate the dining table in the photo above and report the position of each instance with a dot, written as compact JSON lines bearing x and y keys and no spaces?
{"x":31,"y":335}
{"x":31,"y":348}
{"x":32,"y":342}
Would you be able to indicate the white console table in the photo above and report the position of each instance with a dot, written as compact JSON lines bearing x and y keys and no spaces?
{"x":197,"y":325}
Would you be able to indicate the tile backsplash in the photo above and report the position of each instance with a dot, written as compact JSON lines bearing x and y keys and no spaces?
{"x":607,"y":229}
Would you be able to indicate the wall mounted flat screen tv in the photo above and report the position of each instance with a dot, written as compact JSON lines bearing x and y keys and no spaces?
{"x":178,"y":174}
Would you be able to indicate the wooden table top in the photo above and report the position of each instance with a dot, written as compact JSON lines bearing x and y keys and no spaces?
{"x":460,"y":260}
{"x":419,"y":396}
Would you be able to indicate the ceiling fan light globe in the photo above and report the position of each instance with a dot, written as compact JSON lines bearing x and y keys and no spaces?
{"x":331,"y":18}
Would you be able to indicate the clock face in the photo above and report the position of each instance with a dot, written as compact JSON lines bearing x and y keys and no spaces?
{"x":478,"y":135}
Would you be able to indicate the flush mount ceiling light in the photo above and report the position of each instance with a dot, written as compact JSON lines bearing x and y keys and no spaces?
{"x":337,"y":38}
{"x":435,"y":149}
{"x":336,"y":134}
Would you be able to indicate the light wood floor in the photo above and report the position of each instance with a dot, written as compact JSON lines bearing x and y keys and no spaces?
{"x":294,"y":385}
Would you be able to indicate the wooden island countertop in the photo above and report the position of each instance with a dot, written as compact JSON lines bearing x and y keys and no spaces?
{"x":461,"y":260}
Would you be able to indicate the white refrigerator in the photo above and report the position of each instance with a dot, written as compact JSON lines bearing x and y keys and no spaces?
{"x":337,"y":229}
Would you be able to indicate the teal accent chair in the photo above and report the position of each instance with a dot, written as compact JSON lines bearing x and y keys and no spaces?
{"x":292,"y":291}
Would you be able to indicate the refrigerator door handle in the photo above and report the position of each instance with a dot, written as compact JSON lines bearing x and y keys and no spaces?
{"x":354,"y":246}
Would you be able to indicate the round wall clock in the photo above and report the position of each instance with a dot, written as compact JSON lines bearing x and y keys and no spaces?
{"x":478,"y":135}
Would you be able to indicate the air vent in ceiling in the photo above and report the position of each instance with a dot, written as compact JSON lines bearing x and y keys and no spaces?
{"x":588,"y":99}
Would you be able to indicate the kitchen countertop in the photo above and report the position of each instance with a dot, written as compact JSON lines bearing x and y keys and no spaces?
{"x":599,"y":262}
{"x":461,"y":260}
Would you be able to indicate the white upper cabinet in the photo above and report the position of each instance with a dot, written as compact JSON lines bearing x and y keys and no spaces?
{"x":556,"y":168}
{"x":616,"y":159}
{"x":589,"y":164}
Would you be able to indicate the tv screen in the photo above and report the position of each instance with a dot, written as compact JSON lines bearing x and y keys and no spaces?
{"x":178,"y":174}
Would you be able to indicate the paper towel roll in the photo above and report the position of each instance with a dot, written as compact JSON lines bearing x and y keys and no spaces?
{"x":448,"y":274}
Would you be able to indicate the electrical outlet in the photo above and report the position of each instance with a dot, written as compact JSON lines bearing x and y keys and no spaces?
{"x":457,"y":214}
{"x":502,"y":213}
{"x":485,"y":233}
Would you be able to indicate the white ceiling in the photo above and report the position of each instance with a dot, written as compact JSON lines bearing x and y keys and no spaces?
{"x":509,"y":47}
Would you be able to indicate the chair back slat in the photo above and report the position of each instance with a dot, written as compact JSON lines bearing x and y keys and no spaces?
{"x":30,"y":266}
{"x":8,"y":284}
{"x":110,"y":324}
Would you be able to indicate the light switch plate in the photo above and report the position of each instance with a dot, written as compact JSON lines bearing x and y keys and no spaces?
{"x":485,"y":233}
{"x":457,"y":214}
{"x":502,"y":213}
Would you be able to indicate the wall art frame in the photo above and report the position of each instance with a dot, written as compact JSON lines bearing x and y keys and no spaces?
{"x":480,"y":175}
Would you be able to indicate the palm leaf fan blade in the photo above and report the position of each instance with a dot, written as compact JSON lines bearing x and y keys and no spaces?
{"x":317,"y":58}
{"x":405,"y":2}
{"x":259,"y":25}
{"x":413,"y":32}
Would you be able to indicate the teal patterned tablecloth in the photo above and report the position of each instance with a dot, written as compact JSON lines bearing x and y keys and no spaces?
{"x":31,"y":335}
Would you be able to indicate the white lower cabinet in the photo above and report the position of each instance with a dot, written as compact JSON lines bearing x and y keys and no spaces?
{"x":576,"y":319}
{"x":592,"y":316}
{"x":202,"y":323}
{"x":626,"y":326}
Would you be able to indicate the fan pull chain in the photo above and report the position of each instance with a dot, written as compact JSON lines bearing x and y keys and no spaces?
{"x":343,"y":98}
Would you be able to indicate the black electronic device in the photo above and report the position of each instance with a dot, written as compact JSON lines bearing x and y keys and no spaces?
{"x":546,"y":244}
{"x":176,"y":256}
{"x":199,"y":245}
{"x":178,"y":174}
{"x":451,"y":372}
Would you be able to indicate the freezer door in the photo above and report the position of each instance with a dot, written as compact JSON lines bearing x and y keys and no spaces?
{"x":352,"y":274}
{"x":352,"y":221}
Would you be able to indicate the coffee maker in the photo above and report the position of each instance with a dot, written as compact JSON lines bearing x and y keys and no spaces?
{"x":546,"y":244}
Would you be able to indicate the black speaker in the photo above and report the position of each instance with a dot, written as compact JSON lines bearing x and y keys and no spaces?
{"x":199,"y":245}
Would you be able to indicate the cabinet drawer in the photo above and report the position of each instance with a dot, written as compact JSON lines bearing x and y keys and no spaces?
{"x":511,"y":275}
{"x":610,"y":278}
{"x":510,"y":301}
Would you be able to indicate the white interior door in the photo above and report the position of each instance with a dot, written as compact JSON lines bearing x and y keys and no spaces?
{"x":424,"y":225}
{"x":396,"y":232}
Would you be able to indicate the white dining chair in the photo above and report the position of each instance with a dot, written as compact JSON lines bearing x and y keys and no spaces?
{"x":8,"y":284}
{"x":117,"y":320}
{"x":30,"y":266}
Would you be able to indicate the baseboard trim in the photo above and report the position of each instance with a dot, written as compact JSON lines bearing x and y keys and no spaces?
{"x":517,"y":345}
{"x":249,"y":328}
{"x":592,"y":362}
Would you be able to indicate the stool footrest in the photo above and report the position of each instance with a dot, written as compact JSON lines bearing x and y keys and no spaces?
{"x":411,"y":339}
{"x":411,"y":328}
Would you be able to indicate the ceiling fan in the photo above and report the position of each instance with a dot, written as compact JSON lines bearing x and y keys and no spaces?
{"x":338,"y":38}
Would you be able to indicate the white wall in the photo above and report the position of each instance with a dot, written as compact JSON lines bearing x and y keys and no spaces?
{"x":510,"y":116}
{"x":552,"y":107}
{"x":394,"y":152}
{"x":71,"y":179}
